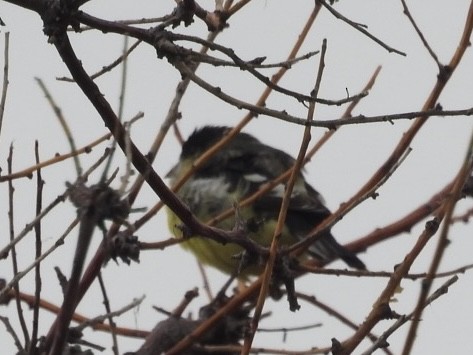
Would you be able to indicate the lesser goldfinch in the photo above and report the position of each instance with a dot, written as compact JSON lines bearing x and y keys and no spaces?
{"x":235,"y":172}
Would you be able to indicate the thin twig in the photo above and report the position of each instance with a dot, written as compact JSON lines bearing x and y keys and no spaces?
{"x":14,"y":259}
{"x":382,"y":340}
{"x":171,"y":117}
{"x":379,"y":308}
{"x":264,"y":189}
{"x":57,"y":158}
{"x":6,"y":65}
{"x":108,"y":68}
{"x":97,"y":323}
{"x":205,"y":280}
{"x":420,"y":34}
{"x":359,"y":27}
{"x":60,"y":198}
{"x":112,"y":323}
{"x":337,"y":315}
{"x":59,"y":242}
{"x":404,"y":223}
{"x":336,"y":216}
{"x":13,"y":334}
{"x":248,"y":66}
{"x":142,"y":21}
{"x":364,"y":273}
{"x":38,"y":247}
{"x":238,"y":6}
{"x":362,"y":119}
{"x":442,"y":242}
{"x":58,"y":332}
{"x":65,"y":126}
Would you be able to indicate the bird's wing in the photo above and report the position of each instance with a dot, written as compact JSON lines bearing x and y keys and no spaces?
{"x":247,"y":169}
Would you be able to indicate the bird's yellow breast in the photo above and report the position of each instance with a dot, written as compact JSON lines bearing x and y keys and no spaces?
{"x":225,"y":256}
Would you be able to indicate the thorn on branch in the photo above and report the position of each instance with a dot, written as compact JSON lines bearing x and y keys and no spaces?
{"x":6,"y":298}
{"x":386,"y":312}
{"x":336,"y":346}
{"x":444,"y":73}
{"x":468,"y":187}
{"x":62,"y":279}
{"x":432,"y":225}
{"x":260,"y":60}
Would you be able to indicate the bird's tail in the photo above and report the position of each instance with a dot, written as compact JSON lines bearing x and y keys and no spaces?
{"x":327,"y":249}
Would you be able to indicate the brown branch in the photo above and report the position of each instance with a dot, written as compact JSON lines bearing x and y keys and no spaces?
{"x":317,"y":232}
{"x":38,"y":251}
{"x":334,"y":313}
{"x":108,"y":68}
{"x":420,"y":34}
{"x":403,"y":224}
{"x":170,"y":47}
{"x":109,"y":316}
{"x":14,"y":259}
{"x":359,"y":27}
{"x":29,"y":171}
{"x":379,"y":311}
{"x":63,"y":122}
{"x":6,"y":66}
{"x":57,"y":336}
{"x":382,"y":340}
{"x":442,"y":242}
{"x":95,"y":323}
{"x":45,"y":211}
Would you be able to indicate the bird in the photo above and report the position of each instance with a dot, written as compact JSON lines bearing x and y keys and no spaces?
{"x":236,"y":171}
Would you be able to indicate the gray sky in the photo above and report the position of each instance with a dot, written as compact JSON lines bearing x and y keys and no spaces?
{"x":263,"y":28}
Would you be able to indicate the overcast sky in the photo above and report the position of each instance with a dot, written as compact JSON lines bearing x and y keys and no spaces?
{"x":262,"y":28}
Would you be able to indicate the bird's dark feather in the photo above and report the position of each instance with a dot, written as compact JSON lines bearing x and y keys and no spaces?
{"x":245,"y":157}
